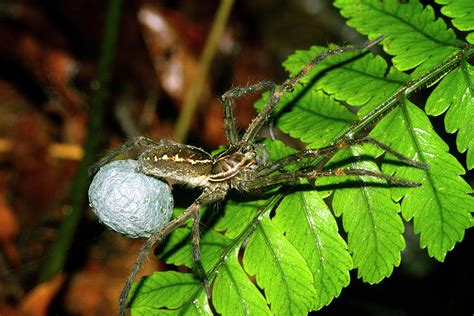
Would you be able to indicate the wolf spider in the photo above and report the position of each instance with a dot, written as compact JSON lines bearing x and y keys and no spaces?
{"x":242,"y":166}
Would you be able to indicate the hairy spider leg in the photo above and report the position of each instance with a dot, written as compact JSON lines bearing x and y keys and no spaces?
{"x":208,"y":196}
{"x":292,"y":177}
{"x":275,"y":94}
{"x":230,"y":125}
{"x":196,"y":250}
{"x":333,"y":149}
{"x":140,"y":141}
{"x":156,"y":238}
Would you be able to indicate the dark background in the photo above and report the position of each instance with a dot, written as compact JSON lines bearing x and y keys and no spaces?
{"x":48,"y":58}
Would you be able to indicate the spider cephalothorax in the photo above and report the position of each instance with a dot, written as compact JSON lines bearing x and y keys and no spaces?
{"x":233,"y":162}
{"x":244,"y":165}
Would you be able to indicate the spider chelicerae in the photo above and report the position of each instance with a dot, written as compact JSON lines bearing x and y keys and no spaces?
{"x":244,"y":165}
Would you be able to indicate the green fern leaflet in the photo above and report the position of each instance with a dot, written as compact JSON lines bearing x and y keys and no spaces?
{"x":286,"y":254}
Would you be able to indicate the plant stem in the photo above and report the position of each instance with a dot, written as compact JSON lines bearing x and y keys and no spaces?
{"x":433,"y":75}
{"x":58,"y":253}
{"x":192,"y":97}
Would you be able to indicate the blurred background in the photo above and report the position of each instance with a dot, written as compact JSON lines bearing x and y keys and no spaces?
{"x":55,"y":86}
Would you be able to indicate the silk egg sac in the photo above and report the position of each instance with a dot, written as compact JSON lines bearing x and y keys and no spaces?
{"x":130,"y":202}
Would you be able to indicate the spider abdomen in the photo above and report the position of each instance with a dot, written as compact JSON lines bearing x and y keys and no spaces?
{"x":177,"y":163}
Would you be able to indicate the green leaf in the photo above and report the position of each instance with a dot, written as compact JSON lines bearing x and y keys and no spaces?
{"x":413,"y":35}
{"x":360,"y":79}
{"x":280,"y":270}
{"x":370,"y":217}
{"x":237,"y":215}
{"x":441,"y":206}
{"x":178,"y":250}
{"x":455,"y":93}
{"x":219,"y":257}
{"x":234,"y":294}
{"x":355,"y":77}
{"x":310,"y":227}
{"x":462,"y":14}
{"x":277,"y":149}
{"x":298,"y":257}
{"x":315,"y":118}
{"x":170,"y":293}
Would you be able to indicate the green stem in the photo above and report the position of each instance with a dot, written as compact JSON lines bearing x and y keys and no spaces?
{"x":238,"y":241}
{"x":192,"y":97}
{"x":433,"y":75}
{"x":58,"y":253}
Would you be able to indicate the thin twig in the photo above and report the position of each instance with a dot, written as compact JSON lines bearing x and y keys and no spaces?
{"x":192,"y":97}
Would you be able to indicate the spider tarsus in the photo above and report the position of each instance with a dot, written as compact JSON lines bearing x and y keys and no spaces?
{"x":402,"y":158}
{"x":196,"y":240}
{"x":375,"y":41}
{"x":136,"y":268}
{"x":199,"y":270}
{"x":364,"y":172}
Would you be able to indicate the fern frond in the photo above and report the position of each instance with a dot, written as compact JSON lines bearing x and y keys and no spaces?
{"x":461,"y":12}
{"x":413,"y":35}
{"x":290,"y":244}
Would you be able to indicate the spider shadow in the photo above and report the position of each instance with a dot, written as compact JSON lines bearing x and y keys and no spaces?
{"x":343,"y":163}
{"x":288,"y":106}
{"x":350,"y":183}
{"x":213,"y":213}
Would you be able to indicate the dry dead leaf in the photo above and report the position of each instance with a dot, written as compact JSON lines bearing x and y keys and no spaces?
{"x":37,"y":301}
{"x":8,"y":230}
{"x":175,"y":64}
